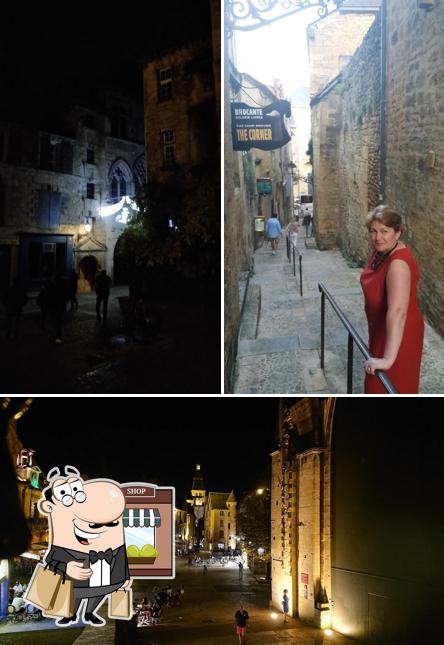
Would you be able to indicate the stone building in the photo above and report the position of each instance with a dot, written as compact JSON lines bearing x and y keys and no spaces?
{"x":332,"y":41}
{"x":220,"y":521}
{"x":257,"y":183}
{"x":61,"y":191}
{"x":379,"y":139}
{"x":353,"y":531}
{"x":25,"y":529}
{"x":184,"y":524}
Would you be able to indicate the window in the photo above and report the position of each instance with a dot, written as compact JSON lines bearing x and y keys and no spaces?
{"x":56,"y":154}
{"x":48,"y":214}
{"x":90,"y":191}
{"x":169,"y":147}
{"x":221,"y":513}
{"x":229,"y":526}
{"x":221,"y":523}
{"x":90,"y":156}
{"x":118,"y":122}
{"x":221,"y":534}
{"x":164,"y":84}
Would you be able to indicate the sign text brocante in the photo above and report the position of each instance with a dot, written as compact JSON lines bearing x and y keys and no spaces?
{"x":259,"y":127}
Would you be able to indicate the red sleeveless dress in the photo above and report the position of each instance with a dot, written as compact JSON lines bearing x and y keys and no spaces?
{"x":404,"y":373}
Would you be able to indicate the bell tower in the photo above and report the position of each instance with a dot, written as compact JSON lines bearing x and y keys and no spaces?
{"x":197,"y":501}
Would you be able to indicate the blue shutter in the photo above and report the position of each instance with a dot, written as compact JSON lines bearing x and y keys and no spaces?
{"x":44,"y":208}
{"x":54,"y":211}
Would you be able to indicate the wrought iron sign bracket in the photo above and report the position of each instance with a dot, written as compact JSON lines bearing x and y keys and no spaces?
{"x":246,"y":15}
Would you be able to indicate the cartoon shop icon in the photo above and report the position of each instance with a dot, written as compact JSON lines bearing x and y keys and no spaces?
{"x":86,"y":562}
{"x":148,"y":525}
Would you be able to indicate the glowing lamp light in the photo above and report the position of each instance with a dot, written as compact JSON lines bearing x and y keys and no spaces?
{"x":260,"y":491}
{"x":274,"y":615}
{"x":261,"y":551}
{"x":328,"y":632}
{"x":112,"y":209}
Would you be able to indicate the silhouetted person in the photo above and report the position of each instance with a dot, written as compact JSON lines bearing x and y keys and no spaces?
{"x":72,"y":287}
{"x":59,"y":306}
{"x":103,"y":282}
{"x":44,"y":301}
{"x":14,"y":300}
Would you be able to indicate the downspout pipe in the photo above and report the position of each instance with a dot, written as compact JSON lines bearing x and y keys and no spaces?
{"x":383,"y":93}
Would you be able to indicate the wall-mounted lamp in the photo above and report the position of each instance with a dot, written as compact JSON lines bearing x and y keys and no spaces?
{"x":87,"y":222}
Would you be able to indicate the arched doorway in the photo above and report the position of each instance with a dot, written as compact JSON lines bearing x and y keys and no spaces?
{"x":88,"y":270}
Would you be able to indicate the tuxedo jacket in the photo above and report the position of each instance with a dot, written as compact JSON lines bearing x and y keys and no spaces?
{"x":58,"y":557}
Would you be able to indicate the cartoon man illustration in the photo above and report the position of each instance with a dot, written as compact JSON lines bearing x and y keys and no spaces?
{"x":86,"y":538}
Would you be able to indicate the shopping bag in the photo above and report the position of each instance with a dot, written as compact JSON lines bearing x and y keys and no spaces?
{"x":43,"y":587}
{"x":62,"y":604}
{"x":120,"y":604}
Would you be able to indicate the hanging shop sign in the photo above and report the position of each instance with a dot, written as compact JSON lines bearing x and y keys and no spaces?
{"x":149,"y":530}
{"x":260,"y":127}
{"x":264,"y":186}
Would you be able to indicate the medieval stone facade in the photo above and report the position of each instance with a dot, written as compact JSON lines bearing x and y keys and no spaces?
{"x":55,"y":187}
{"x":347,"y":129}
{"x":220,"y":521}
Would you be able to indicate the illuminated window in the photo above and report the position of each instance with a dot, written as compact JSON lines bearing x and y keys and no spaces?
{"x":164,"y":84}
{"x":24,"y":458}
{"x":169,"y":147}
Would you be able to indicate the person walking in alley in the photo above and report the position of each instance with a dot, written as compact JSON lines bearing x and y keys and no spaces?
{"x":274,"y":232}
{"x":395,"y":323}
{"x":14,"y":300}
{"x":241,"y":617}
{"x":292,"y":232}
{"x":103,"y":283}
{"x":241,"y":570}
{"x":285,"y":605}
{"x":72,"y":286}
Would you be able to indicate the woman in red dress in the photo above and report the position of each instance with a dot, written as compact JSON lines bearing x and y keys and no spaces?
{"x":395,"y":324}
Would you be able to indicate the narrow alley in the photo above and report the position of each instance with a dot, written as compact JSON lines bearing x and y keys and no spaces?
{"x":280,"y":333}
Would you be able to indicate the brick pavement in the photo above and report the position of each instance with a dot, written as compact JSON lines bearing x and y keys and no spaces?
{"x":279,"y":340}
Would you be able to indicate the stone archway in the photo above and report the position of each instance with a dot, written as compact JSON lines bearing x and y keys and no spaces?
{"x":122,"y":264}
{"x":88,"y":267}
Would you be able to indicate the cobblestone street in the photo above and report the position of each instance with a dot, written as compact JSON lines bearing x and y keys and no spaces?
{"x":178,"y":352}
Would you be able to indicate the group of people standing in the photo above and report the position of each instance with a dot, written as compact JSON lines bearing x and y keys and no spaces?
{"x":54,"y":297}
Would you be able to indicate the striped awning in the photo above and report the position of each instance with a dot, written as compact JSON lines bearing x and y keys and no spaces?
{"x":141,"y":517}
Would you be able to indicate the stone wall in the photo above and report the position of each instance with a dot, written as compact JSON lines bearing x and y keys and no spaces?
{"x":326,"y":124}
{"x":415,"y":126}
{"x":188,"y":112}
{"x":332,"y":40}
{"x":358,"y":151}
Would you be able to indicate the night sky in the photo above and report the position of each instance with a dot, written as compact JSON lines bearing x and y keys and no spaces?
{"x":50,"y":54}
{"x":158,"y":440}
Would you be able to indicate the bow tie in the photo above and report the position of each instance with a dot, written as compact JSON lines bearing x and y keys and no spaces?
{"x":101,"y":555}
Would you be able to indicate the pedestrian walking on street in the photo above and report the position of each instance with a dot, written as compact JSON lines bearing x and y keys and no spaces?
{"x":274,"y":232}
{"x":204,"y":568}
{"x":306,"y":221}
{"x":292,"y":232}
{"x":285,"y":605}
{"x":241,"y":570}
{"x":103,"y":283}
{"x":44,"y":301}
{"x":14,"y":300}
{"x":395,"y":323}
{"x":58,"y":306}
{"x":241,"y":617}
{"x":72,"y":286}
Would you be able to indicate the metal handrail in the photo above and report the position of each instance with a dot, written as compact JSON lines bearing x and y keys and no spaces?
{"x":289,"y":255}
{"x":353,"y":337}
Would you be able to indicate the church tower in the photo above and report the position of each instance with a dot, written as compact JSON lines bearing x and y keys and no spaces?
{"x":197,"y":500}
